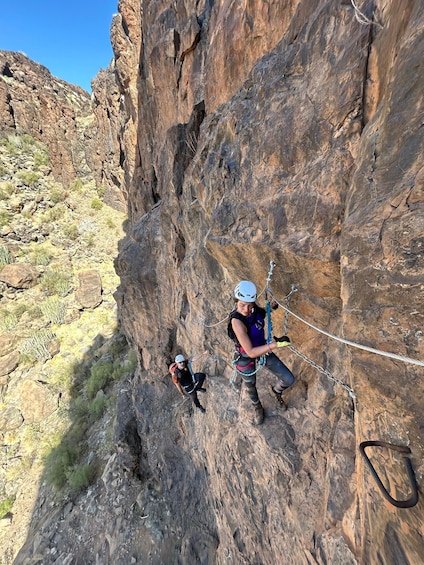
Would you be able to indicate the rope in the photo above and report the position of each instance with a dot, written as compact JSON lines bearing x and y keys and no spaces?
{"x":304,"y":357}
{"x":191,"y":371}
{"x":362,"y":18}
{"x":351,"y":343}
{"x":217,"y":323}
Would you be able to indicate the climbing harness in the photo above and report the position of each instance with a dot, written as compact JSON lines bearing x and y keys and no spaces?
{"x":233,"y":380}
{"x":413,"y":499}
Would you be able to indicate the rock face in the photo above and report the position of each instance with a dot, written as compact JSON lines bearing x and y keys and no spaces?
{"x":287,"y":132}
{"x":55,"y":112}
{"x":61,"y":116}
{"x":245,"y":133}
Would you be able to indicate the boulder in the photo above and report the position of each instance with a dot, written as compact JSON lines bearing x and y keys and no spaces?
{"x":7,"y":343}
{"x":89,"y":292}
{"x":8,"y":363}
{"x":36,"y":401}
{"x":19,"y":275}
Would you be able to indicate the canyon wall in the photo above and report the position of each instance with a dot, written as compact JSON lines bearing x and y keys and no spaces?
{"x":34,"y":102}
{"x":287,"y":132}
{"x":60,"y":115}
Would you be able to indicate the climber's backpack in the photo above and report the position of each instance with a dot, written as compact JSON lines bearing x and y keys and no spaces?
{"x":246,"y":322}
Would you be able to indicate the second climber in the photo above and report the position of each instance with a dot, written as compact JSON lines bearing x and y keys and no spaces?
{"x":186,"y":381}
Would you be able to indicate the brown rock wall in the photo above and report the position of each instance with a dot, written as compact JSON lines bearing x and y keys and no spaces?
{"x":56,"y":113}
{"x":281,"y":168}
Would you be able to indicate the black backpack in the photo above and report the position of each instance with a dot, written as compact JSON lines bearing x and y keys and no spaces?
{"x":238,"y":316}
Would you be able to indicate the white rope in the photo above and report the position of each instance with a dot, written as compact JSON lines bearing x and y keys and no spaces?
{"x":362,"y":18}
{"x":217,"y":323}
{"x":351,"y":343}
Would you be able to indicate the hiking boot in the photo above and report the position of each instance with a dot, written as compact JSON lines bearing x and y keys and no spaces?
{"x":202,"y":389}
{"x":202,"y":410}
{"x":279,"y":397}
{"x":259,"y":414}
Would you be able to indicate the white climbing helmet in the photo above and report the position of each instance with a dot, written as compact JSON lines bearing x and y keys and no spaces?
{"x":179,"y":359}
{"x":245,"y":291}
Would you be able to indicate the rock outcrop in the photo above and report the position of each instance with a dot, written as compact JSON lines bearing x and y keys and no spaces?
{"x":34,"y":102}
{"x":60,"y":115}
{"x":289,"y":133}
{"x":245,"y":133}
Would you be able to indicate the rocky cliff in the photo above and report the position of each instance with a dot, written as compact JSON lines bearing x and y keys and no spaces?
{"x":288,"y":132}
{"x":245,"y":133}
{"x":34,"y":102}
{"x":58,"y":114}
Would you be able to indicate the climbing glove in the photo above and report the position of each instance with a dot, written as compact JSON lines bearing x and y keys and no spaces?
{"x":282,"y":341}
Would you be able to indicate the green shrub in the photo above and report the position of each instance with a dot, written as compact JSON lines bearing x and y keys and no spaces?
{"x":110,"y":223}
{"x":59,"y":461}
{"x":6,"y":506}
{"x":79,"y":408}
{"x":8,"y":320}
{"x":119,"y":345}
{"x":6,"y":190}
{"x":132,"y":360}
{"x":19,"y":309}
{"x":27,"y":143}
{"x":9,"y":317}
{"x":54,"y":310}
{"x":56,"y":282}
{"x":28,"y":177}
{"x":41,"y":158}
{"x":55,"y":213}
{"x":57,"y":195}
{"x":3,"y":170}
{"x":101,"y":374}
{"x":34,"y":312}
{"x":96,"y":204}
{"x":22,"y":144}
{"x":76,"y":185}
{"x":5,"y":256}
{"x":35,"y":347}
{"x":97,"y":407}
{"x":71,"y":232}
{"x":79,"y":478}
{"x":13,"y":145}
{"x":5,"y":217}
{"x":40,"y":256}
{"x":100,"y":191}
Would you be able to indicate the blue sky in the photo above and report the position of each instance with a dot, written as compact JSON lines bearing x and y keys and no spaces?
{"x":69,"y":37}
